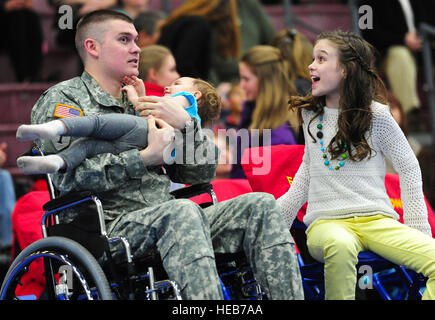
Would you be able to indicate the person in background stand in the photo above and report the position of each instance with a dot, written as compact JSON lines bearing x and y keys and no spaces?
{"x":7,"y":201}
{"x":395,"y":36}
{"x":22,"y":38}
{"x":265,"y":79}
{"x":132,"y":7}
{"x":255,"y":28}
{"x":148,"y":26}
{"x":157,"y":68}
{"x":400,"y":117}
{"x":236,"y":98}
{"x":298,"y":51}
{"x":222,"y":31}
{"x":210,"y":25}
{"x":65,"y":37}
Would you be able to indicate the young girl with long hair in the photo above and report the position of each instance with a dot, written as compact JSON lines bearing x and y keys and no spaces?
{"x":349,"y":132}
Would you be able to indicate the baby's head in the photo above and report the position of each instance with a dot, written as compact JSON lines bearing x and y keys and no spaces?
{"x":208,"y":99}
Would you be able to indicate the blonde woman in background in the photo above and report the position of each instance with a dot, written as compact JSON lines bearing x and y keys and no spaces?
{"x":264,"y":76}
{"x":157,"y":68}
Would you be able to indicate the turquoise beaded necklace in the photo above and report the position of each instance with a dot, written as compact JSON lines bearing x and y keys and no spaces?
{"x":327,"y":162}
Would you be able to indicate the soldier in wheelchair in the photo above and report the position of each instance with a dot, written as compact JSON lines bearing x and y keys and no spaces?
{"x":140,"y":215}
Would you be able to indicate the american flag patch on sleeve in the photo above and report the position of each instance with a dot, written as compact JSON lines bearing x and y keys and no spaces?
{"x":64,"y":111}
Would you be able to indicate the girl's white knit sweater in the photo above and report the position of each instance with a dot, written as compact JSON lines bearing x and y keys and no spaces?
{"x":358,"y":188}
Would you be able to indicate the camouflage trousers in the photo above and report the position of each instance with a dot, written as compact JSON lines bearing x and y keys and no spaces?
{"x":187,"y":237}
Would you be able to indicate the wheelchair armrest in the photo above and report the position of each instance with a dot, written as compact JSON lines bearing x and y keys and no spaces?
{"x":66,"y":200}
{"x":194,"y":190}
{"x":69,"y":198}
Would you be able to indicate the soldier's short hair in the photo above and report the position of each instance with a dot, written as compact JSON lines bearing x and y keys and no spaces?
{"x":86,"y":27}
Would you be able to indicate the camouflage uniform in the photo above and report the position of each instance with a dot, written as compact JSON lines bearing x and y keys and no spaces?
{"x":138,"y":205}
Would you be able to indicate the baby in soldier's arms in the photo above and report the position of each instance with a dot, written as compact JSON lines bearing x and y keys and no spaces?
{"x":114,"y":133}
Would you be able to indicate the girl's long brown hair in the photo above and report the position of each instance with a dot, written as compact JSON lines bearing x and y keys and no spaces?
{"x":223,"y":18}
{"x":360,"y":86}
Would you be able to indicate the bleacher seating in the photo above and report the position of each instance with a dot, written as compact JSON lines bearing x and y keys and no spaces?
{"x":17,"y":100}
{"x":322,"y":16}
{"x":58,"y":63}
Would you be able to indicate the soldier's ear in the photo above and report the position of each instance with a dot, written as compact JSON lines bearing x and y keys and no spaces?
{"x":92,"y":47}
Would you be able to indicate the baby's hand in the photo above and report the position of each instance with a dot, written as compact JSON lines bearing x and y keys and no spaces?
{"x":131,"y":94}
{"x":136,"y":83}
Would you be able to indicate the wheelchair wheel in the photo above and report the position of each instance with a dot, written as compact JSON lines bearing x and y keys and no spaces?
{"x":75,"y":274}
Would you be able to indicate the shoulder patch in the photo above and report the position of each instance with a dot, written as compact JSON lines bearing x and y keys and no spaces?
{"x":65,"y":111}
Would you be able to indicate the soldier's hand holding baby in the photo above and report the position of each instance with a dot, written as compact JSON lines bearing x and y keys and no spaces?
{"x":168,"y":109}
{"x":160,"y":142}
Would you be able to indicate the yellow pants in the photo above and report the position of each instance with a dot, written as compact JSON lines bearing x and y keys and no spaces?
{"x":336,"y":243}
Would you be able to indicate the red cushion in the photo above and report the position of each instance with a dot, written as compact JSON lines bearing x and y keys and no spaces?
{"x":26,"y":227}
{"x":283,"y":162}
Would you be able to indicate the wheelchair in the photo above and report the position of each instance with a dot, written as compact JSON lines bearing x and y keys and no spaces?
{"x":75,"y":258}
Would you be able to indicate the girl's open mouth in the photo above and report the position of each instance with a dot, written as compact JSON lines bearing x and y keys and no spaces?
{"x":315,"y":80}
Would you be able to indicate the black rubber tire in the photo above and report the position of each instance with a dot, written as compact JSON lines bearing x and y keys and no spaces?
{"x":71,"y":248}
